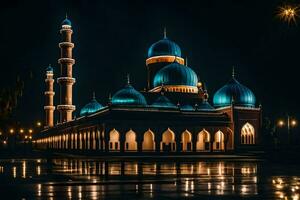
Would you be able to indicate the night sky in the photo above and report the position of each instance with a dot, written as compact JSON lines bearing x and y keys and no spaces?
{"x":112,"y":38}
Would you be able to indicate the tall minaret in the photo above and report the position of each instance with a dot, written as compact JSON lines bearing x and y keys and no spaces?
{"x":66,"y":80}
{"x":49,"y":94}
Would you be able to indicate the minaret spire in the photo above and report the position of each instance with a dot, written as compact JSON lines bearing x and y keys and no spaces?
{"x":128,"y":79}
{"x":165,"y":32}
{"x":233,"y":72}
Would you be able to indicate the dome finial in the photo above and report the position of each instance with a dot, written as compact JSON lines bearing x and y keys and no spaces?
{"x":128,"y":79}
{"x":66,"y":15}
{"x":186,"y":61}
{"x":165,"y":32}
{"x":94,"y":95}
{"x":233,"y":72}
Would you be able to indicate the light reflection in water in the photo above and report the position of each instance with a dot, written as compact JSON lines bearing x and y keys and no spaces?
{"x":83,"y":178}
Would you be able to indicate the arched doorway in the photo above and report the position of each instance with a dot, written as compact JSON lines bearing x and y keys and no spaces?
{"x":218,"y":144}
{"x":186,"y":141}
{"x":148,"y":142}
{"x":247,"y":134}
{"x":114,"y":140}
{"x":203,"y":141}
{"x":168,"y":141}
{"x":130,"y":141}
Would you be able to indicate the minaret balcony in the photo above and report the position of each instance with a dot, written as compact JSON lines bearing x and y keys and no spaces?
{"x":66,"y":80}
{"x":66,"y":107}
{"x":66,"y":29}
{"x":66,"y":60}
{"x":50,"y":80}
{"x":49,"y":93}
{"x":66,"y":44}
{"x":49,"y":107}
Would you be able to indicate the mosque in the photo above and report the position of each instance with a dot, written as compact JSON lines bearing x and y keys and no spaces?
{"x":172,"y":115}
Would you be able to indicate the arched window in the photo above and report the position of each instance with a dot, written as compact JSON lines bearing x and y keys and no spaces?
{"x":148,"y":142}
{"x":130,"y":141}
{"x":247,"y":134}
{"x":219,"y":141}
{"x":203,"y":141}
{"x":114,"y":140}
{"x":168,"y":141}
{"x":186,"y":141}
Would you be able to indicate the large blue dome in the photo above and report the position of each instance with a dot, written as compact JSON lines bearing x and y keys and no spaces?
{"x":128,"y":96}
{"x":175,"y":74}
{"x":164,"y":47}
{"x":91,"y":107}
{"x":163,"y":102}
{"x":233,"y":90}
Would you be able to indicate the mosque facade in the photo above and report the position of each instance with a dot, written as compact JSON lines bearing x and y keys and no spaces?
{"x":173,"y":115}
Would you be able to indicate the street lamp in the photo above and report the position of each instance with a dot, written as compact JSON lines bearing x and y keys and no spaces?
{"x":290,"y":122}
{"x":30,"y":130}
{"x":21,"y":130}
{"x":38,"y":124}
{"x":11,"y":130}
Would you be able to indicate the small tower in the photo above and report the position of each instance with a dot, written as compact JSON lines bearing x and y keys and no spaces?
{"x":49,"y":94}
{"x":66,"y":79}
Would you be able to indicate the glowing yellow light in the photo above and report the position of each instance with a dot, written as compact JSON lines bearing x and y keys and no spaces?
{"x":11,"y":130}
{"x":4,"y":142}
{"x":30,"y":130}
{"x":30,"y":137}
{"x":288,"y":13}
{"x":38,"y":123}
{"x":21,"y":130}
{"x":0,"y":133}
{"x":294,"y":122}
{"x":280,"y":123}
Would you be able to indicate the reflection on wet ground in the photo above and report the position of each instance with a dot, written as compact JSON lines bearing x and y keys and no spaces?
{"x":98,"y":179}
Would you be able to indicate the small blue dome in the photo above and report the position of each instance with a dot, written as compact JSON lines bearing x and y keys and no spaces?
{"x":49,"y":69}
{"x":233,"y":90}
{"x":91,"y":107}
{"x":205,"y":106}
{"x":164,"y":47}
{"x":175,"y":74}
{"x":163,"y":102}
{"x":128,"y":96}
{"x":187,"y":107}
{"x":66,"y":22}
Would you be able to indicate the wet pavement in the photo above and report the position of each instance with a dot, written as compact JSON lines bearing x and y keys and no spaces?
{"x":72,"y":178}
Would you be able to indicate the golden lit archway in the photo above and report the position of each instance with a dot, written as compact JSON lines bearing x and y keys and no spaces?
{"x":203,"y":141}
{"x":168,"y":141}
{"x":219,"y":141}
{"x":186,"y":141}
{"x":248,"y":134}
{"x":114,"y":140}
{"x":148,"y":142}
{"x":130,"y":141}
